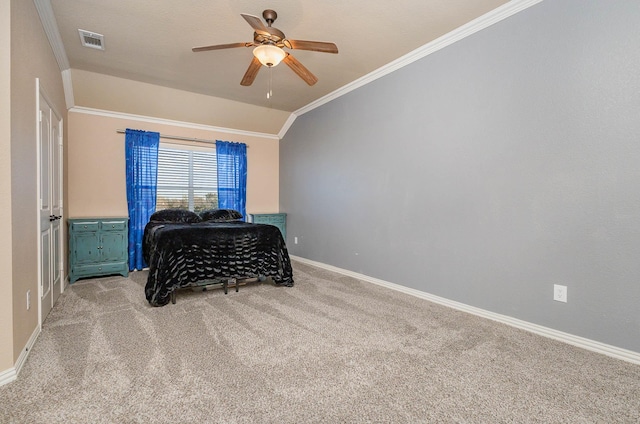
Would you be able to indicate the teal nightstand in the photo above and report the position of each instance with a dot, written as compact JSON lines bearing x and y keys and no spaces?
{"x":98,"y":246}
{"x":277,"y":219}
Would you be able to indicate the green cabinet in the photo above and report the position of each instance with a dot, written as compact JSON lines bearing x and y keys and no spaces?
{"x":277,"y":219}
{"x":98,"y":246}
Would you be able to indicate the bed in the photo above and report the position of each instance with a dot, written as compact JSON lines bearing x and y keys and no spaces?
{"x":185,"y":250}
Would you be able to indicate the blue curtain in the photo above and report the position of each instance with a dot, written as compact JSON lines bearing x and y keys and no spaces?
{"x":232,"y":176}
{"x":141,"y":150}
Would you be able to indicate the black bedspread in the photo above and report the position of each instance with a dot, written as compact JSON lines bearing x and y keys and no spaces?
{"x":180,"y":255}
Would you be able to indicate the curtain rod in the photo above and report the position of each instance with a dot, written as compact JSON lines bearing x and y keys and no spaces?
{"x":177,"y":137}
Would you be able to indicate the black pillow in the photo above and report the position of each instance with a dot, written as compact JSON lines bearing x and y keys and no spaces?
{"x":182,"y":216}
{"x":220,"y":215}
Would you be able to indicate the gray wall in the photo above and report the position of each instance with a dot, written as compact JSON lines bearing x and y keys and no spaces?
{"x":489,"y":171}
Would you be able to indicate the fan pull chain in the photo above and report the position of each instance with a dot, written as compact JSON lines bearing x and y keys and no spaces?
{"x":270,"y":91}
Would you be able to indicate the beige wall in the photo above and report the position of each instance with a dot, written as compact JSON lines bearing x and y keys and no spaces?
{"x":31,"y":58}
{"x":104,"y":92}
{"x":93,"y":160}
{"x":96,"y":162}
{"x":6,"y":290}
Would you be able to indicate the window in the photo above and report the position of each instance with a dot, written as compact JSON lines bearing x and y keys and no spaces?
{"x":187,"y":178}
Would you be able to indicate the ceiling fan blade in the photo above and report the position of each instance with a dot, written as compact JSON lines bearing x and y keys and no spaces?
{"x":220,"y":47}
{"x":256,"y":24}
{"x":299,"y":69}
{"x":316,"y":46}
{"x":251,"y":73}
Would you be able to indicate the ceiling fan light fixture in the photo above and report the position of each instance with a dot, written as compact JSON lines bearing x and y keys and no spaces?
{"x":269,"y":55}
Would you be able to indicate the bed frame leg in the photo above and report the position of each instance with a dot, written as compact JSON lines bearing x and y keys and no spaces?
{"x":225,"y":285}
{"x":173,"y":297}
{"x":235,"y":282}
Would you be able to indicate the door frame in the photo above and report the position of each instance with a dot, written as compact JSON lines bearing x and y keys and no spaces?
{"x":58,"y":145}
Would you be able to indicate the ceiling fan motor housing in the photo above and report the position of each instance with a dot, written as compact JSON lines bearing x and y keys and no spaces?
{"x":275,"y":36}
{"x":270,"y":16}
{"x":269,"y":34}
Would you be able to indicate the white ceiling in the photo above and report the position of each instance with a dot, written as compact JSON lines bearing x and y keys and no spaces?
{"x":151,"y":40}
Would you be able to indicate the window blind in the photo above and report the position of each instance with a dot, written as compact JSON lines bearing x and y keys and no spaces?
{"x":187,"y":178}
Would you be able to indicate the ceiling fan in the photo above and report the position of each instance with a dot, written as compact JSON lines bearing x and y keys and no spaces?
{"x":269,"y":43}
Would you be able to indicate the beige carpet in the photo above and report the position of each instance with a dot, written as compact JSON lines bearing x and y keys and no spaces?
{"x":331,"y":349}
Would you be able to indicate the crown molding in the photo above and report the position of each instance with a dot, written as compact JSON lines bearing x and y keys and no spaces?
{"x":287,"y":125}
{"x":478,"y":24}
{"x":67,"y":85}
{"x":162,"y":121}
{"x":581,"y":342}
{"x":48,"y":19}
{"x":50,"y":26}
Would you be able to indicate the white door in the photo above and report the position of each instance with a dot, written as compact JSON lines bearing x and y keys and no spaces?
{"x":50,"y":189}
{"x":56,"y":206}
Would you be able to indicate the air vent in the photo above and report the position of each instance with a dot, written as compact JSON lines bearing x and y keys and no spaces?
{"x":91,"y":39}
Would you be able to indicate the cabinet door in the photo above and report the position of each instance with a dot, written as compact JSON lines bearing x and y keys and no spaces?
{"x":277,"y":219}
{"x":86,"y":248}
{"x":112,"y":247}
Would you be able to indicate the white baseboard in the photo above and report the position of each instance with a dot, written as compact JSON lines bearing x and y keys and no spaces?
{"x":592,"y":345}
{"x":25,"y":351}
{"x":11,"y":374}
{"x":8,"y":376}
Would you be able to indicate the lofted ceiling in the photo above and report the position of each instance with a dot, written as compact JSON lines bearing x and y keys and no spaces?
{"x":150,"y":41}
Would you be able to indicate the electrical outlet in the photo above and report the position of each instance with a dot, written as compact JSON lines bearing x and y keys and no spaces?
{"x":28,"y":299}
{"x":560,"y":293}
{"x":295,"y":240}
